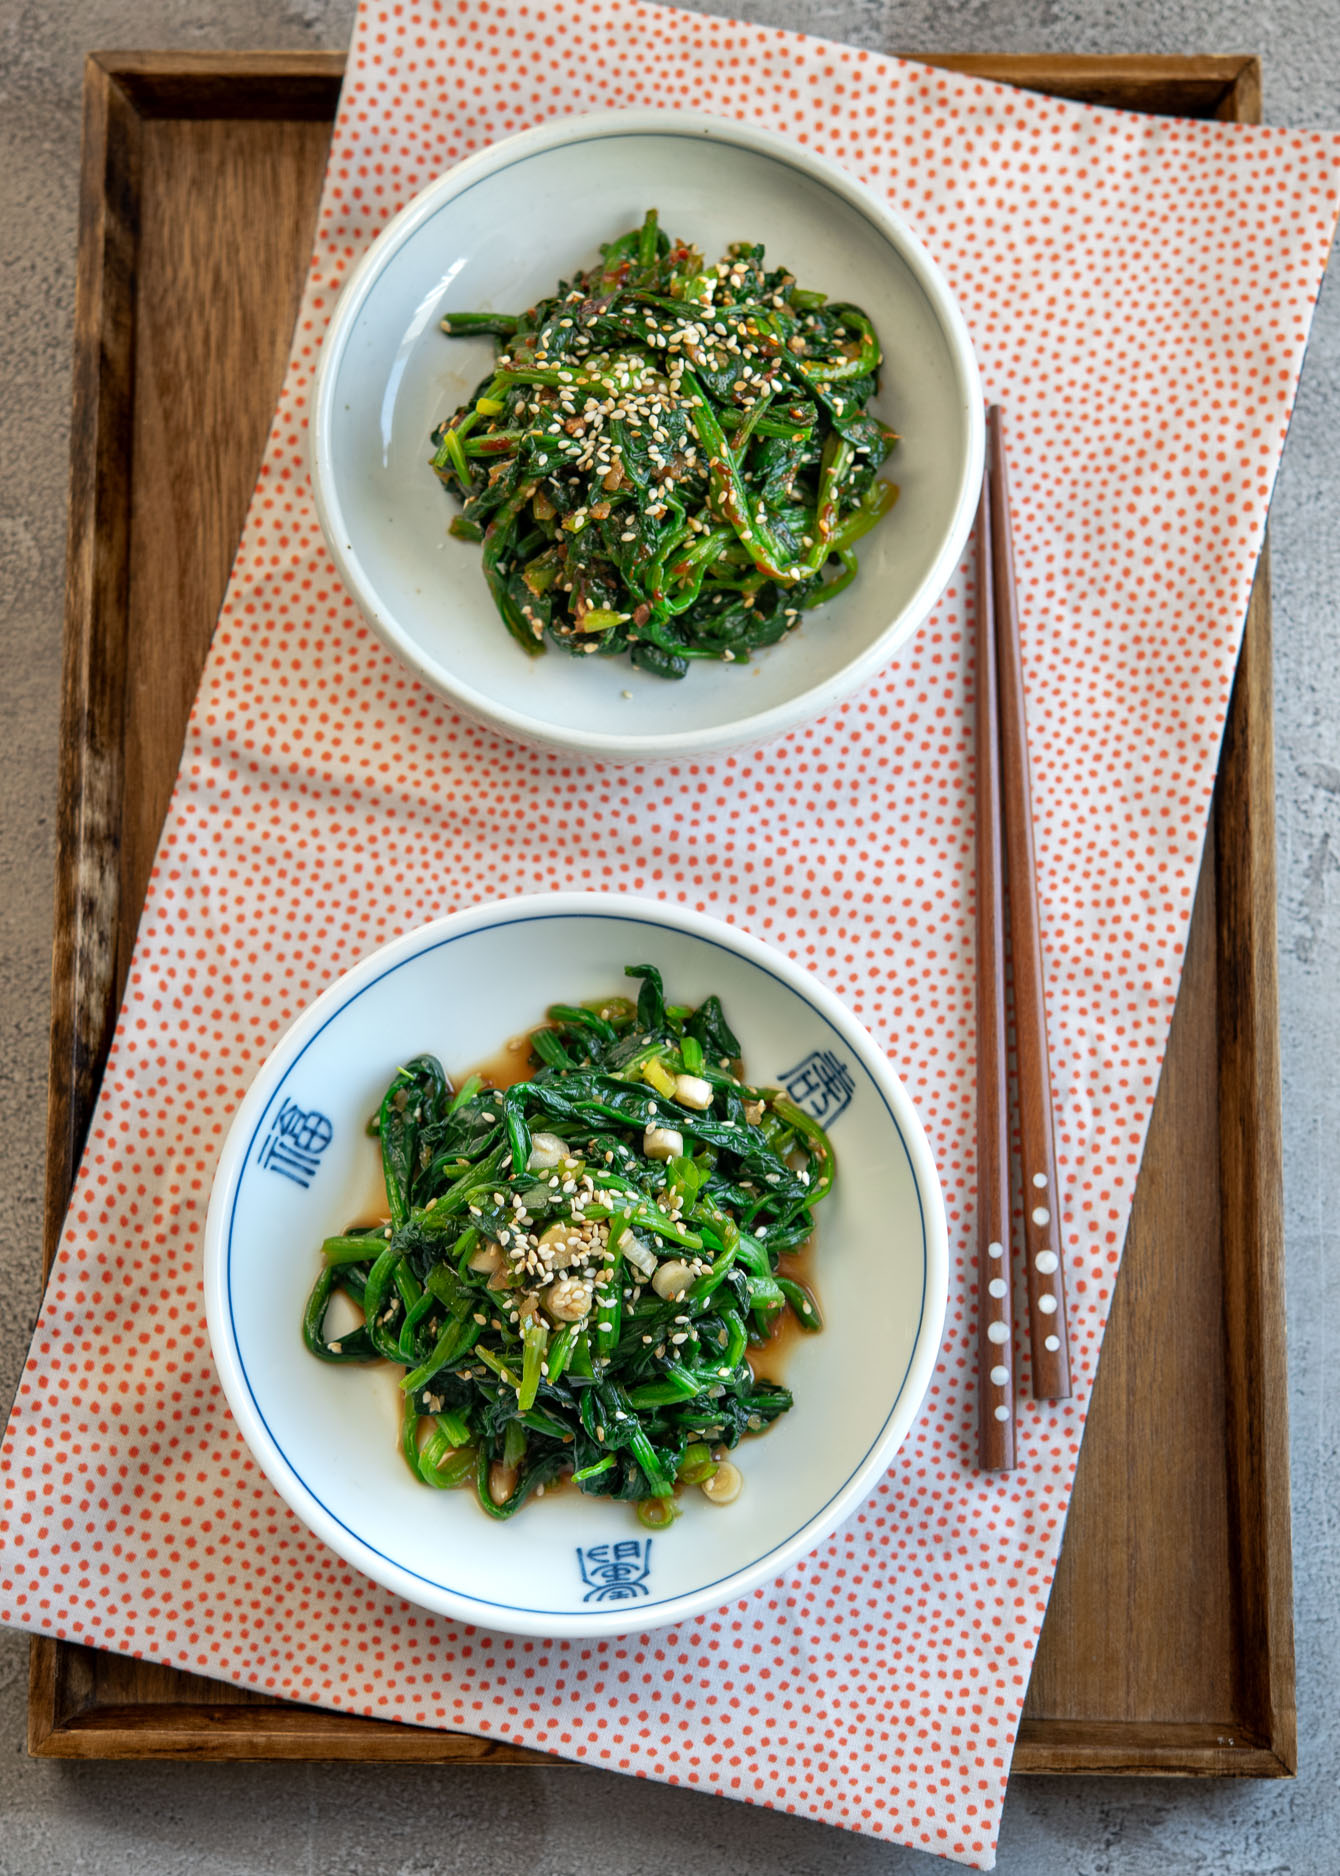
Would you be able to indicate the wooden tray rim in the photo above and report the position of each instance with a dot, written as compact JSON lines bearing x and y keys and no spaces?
{"x":122,"y":86}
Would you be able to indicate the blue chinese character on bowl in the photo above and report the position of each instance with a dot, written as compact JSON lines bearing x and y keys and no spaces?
{"x":822,"y":1084}
{"x":295,"y":1142}
{"x":616,"y":1572}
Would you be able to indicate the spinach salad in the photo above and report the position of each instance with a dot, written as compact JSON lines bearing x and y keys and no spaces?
{"x":668,"y":460}
{"x":572,"y":1270}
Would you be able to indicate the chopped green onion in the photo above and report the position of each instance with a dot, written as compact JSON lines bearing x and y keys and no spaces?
{"x":632,"y":1398}
{"x":667,"y":515}
{"x":696,"y":1465}
{"x":658,"y":1514}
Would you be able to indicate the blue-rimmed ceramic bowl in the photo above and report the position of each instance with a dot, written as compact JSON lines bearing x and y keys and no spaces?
{"x":298,"y":1165}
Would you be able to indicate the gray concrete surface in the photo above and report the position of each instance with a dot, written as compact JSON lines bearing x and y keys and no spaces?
{"x":154,"y":1819}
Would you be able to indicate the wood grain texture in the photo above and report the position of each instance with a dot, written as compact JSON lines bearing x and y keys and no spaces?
{"x":1042,"y":1226}
{"x":85,"y":985}
{"x":1197,"y":86}
{"x":1252,"y":1189}
{"x":995,"y":1316}
{"x":283,"y":87}
{"x":1151,"y":1501}
{"x":201,"y":428}
{"x":1167,"y":1646}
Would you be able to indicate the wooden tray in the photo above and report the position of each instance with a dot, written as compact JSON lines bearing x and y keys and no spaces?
{"x":1168,"y":1646}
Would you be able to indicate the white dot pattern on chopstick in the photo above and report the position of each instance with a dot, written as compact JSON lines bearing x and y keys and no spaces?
{"x":1000,"y":1376}
{"x":1002,"y":1413}
{"x":1047,"y":1304}
{"x":995,"y":1250}
{"x":1041,"y":1216}
{"x":997,"y":1286}
{"x":997,"y":1332}
{"x":1039,"y":1179}
{"x":1052,"y":1343}
{"x":1046,"y":1262}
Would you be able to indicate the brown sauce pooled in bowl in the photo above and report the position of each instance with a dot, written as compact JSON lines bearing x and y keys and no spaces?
{"x":507,"y":1066}
{"x":771,"y":1359}
{"x":372,"y":1209}
{"x":511,"y":1064}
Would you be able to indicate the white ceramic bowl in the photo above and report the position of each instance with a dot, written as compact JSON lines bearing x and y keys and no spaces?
{"x":498,"y":232}
{"x":327,"y":1436}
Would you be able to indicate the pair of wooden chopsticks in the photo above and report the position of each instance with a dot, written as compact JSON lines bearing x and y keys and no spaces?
{"x":1005,"y":846}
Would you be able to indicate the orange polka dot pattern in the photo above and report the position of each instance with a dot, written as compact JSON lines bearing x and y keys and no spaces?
{"x":1140,"y":292}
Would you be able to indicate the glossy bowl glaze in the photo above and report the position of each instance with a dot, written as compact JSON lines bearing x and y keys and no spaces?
{"x":498,"y":232}
{"x":298,"y":1165}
